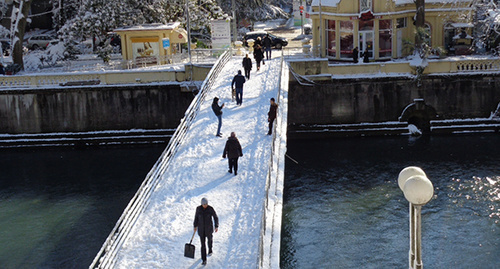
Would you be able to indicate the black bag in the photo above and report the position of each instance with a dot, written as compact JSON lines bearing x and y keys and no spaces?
{"x":189,"y":248}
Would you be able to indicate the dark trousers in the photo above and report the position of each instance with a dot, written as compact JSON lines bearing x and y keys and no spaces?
{"x":239,"y":96}
{"x":233,"y":164}
{"x":271,"y":121}
{"x":204,"y":247}
{"x":268,"y":53}
{"x":247,"y":73}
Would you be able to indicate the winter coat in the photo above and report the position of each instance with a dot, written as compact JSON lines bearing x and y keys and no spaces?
{"x":232,"y":149}
{"x":216,"y":108}
{"x":247,"y":63}
{"x":272,"y":112}
{"x":355,"y":54}
{"x":238,"y":80}
{"x":258,"y":54}
{"x":267,"y":42}
{"x":203,"y":220}
{"x":366,"y":57}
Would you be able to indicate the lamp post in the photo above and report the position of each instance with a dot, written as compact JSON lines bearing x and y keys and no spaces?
{"x":418,"y":190}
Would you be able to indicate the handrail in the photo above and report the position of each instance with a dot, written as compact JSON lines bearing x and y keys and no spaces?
{"x":106,"y":257}
{"x":272,"y":183}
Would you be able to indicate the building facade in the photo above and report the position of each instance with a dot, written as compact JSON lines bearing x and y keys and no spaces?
{"x":383,"y":28}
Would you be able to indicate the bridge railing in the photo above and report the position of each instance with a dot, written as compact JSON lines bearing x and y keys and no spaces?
{"x":106,"y":257}
{"x":269,"y":244}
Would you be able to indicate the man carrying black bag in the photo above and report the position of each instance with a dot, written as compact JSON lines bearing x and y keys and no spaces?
{"x":203,"y":224}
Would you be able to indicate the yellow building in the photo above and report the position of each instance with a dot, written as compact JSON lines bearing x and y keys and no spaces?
{"x":151,"y":43}
{"x":382,"y":26}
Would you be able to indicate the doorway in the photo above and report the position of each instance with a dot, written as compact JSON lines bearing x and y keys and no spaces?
{"x":366,"y":42}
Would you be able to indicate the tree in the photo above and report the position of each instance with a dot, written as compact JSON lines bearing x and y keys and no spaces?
{"x":19,"y":19}
{"x":419,"y":24}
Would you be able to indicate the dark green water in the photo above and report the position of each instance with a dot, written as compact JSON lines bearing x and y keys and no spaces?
{"x":57,"y":206}
{"x":344,"y":209}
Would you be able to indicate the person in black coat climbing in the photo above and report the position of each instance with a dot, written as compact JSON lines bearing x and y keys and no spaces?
{"x":237,"y":83}
{"x":205,"y":227}
{"x":218,"y":112}
{"x":233,"y":151}
{"x":247,"y":65}
{"x":271,"y":115}
{"x":258,"y":55}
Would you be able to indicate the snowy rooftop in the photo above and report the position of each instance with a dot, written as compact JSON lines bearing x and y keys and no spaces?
{"x":150,"y":27}
{"x":334,"y":3}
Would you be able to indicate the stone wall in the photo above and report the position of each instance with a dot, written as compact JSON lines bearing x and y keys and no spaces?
{"x":96,"y":108}
{"x":378,"y":100}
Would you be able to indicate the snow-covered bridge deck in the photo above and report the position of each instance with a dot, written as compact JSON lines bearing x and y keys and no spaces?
{"x":152,"y":235}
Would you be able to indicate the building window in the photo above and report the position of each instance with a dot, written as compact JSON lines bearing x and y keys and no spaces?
{"x":330,"y":39}
{"x":365,"y":5}
{"x":401,"y":23}
{"x":427,"y":38}
{"x":346,"y":39}
{"x":385,"y":38}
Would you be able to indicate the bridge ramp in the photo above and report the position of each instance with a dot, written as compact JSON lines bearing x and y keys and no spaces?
{"x":198,"y":170}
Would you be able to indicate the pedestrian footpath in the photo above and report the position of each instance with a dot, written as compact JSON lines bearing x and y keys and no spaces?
{"x":198,"y":170}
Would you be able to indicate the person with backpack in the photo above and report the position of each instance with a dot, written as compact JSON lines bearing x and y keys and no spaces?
{"x":237,"y":83}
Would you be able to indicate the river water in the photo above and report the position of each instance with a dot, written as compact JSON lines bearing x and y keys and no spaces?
{"x":343,"y":207}
{"x":58,"y":205}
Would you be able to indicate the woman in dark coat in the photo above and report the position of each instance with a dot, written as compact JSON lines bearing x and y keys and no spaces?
{"x":233,"y":151}
{"x":258,"y":55}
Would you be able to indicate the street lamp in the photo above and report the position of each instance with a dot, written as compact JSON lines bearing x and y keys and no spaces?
{"x":418,"y":190}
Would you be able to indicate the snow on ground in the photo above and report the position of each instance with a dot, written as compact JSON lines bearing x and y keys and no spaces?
{"x":198,"y":170}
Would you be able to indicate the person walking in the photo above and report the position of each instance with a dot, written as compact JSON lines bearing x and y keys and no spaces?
{"x":237,"y":83}
{"x":355,"y":55}
{"x":218,"y":112}
{"x":271,"y":115}
{"x":205,"y":227}
{"x":258,"y":55}
{"x":247,"y":65}
{"x":267,"y":42}
{"x":233,"y":151}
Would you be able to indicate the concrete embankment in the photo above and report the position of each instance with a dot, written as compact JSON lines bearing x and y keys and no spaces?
{"x":136,"y":112}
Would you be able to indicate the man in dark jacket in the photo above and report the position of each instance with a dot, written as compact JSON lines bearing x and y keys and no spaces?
{"x":355,"y":54}
{"x":218,"y":112}
{"x":271,"y":115}
{"x":233,"y":151}
{"x":203,"y":224}
{"x":267,"y":42}
{"x":247,"y":65}
{"x":237,"y":83}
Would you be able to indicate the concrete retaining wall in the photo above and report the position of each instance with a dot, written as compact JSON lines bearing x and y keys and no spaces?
{"x":376,"y":100}
{"x":96,"y":108}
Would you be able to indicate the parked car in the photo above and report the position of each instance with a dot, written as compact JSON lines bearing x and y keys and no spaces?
{"x":41,"y":41}
{"x":203,"y":40}
{"x":276,"y":42}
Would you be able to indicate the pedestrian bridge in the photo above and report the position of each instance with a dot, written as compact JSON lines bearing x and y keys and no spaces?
{"x":158,"y":221}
